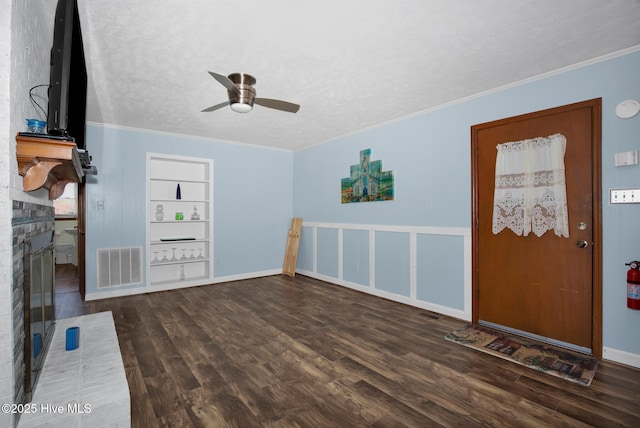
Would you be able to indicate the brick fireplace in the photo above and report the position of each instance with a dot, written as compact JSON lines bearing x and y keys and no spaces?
{"x":32,"y":224}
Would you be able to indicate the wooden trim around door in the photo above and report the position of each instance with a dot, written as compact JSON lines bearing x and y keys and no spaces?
{"x":82,"y":238}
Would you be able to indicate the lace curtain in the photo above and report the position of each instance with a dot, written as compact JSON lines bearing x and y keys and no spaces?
{"x":530,"y":191}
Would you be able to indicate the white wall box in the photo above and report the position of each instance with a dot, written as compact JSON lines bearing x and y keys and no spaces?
{"x":179,"y":247}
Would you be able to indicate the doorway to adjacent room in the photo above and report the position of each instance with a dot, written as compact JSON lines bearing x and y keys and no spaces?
{"x":69,"y":239}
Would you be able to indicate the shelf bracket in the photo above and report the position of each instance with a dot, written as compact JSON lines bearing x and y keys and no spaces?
{"x":48,"y":163}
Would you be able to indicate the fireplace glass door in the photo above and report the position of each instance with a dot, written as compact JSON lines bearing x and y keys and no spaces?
{"x":40,"y":312}
{"x":42,"y":315}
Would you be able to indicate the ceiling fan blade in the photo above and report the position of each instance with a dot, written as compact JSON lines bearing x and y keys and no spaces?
{"x":215,"y":107}
{"x":277,"y":104}
{"x":225,"y":81}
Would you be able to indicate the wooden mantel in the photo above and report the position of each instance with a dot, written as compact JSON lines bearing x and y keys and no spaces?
{"x":48,"y":163}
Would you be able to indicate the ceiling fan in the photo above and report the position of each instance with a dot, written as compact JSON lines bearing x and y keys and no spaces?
{"x":242,"y":95}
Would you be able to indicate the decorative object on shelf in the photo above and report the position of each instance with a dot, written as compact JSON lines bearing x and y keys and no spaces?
{"x":36,"y":126}
{"x":178,"y":193}
{"x":182,"y":272}
{"x":179,"y":215}
{"x":195,"y":215}
{"x":368,"y":182}
{"x":177,"y":238}
{"x":159,"y":212}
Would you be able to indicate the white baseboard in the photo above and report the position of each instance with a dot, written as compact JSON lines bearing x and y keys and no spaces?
{"x":144,"y":289}
{"x":622,"y":357}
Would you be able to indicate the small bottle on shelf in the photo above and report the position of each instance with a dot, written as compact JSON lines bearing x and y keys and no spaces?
{"x":195,"y":215}
{"x":159,"y":212}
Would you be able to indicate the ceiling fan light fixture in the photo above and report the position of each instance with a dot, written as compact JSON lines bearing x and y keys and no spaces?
{"x":241,"y":107}
{"x":242,"y":95}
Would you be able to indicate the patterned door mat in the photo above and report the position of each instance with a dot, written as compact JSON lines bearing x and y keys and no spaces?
{"x":571,"y":366}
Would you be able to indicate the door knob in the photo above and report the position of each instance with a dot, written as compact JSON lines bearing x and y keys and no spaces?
{"x":582,"y":244}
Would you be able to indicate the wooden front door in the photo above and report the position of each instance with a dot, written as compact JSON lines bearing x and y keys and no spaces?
{"x":548,"y":286}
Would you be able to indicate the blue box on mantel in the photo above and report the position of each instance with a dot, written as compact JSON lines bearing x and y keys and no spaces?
{"x":73,"y":338}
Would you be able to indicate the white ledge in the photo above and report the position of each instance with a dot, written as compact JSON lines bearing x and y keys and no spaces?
{"x":86,"y":387}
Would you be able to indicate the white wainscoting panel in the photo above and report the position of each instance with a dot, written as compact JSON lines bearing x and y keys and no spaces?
{"x":457,"y":268}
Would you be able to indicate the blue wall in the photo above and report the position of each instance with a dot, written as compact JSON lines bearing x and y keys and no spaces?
{"x":252,"y":198}
{"x":430,"y":156}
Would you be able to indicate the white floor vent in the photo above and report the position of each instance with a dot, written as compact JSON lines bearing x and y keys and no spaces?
{"x":119,"y":266}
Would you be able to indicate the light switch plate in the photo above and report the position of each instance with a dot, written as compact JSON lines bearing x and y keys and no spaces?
{"x":624,"y":196}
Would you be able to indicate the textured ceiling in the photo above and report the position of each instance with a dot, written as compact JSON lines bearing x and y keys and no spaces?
{"x":350,"y":64}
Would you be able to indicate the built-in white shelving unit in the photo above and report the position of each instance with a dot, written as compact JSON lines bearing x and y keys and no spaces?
{"x":179,"y":243}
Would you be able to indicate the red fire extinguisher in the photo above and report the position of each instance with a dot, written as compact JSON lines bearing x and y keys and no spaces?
{"x":633,"y":286}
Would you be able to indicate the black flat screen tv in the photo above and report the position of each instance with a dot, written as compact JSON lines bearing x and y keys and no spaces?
{"x":68,"y":76}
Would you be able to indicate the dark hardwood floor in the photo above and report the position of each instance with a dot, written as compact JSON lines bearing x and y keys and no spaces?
{"x":68,"y":302}
{"x":297,"y":352}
